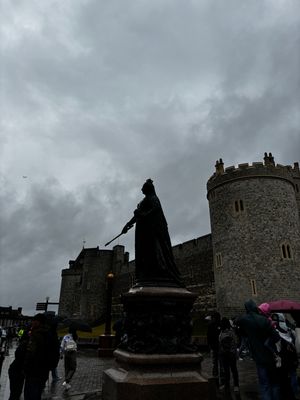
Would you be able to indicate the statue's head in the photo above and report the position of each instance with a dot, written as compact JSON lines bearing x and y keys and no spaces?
{"x":148,"y":187}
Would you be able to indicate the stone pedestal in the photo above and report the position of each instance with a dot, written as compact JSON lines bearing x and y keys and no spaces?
{"x":156,"y":359}
{"x":156,"y":377}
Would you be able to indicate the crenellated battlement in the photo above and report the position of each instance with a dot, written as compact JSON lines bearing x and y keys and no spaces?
{"x":267,"y":169}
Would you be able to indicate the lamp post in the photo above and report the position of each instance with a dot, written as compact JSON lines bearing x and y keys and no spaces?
{"x":109,"y":281}
{"x":106,"y":341}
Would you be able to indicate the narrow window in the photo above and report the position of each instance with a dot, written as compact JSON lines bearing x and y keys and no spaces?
{"x":236,"y":206}
{"x":218,"y":260}
{"x":288,"y":250}
{"x":283,"y":251}
{"x":297,"y":187}
{"x":253,"y":287}
{"x":241,"y":205}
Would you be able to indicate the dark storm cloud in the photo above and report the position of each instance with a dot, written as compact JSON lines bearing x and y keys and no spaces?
{"x":96,"y":97}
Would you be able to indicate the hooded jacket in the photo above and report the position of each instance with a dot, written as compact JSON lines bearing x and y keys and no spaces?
{"x":258,"y":329}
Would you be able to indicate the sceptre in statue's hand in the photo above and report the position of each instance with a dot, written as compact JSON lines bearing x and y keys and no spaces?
{"x":124,"y":230}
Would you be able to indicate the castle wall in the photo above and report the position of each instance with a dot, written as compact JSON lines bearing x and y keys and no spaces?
{"x":194,"y":260}
{"x":253,"y":211}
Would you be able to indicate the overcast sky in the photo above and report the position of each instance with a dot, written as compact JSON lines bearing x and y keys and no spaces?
{"x":99,"y":95}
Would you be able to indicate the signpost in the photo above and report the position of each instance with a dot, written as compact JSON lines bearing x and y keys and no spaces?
{"x":41,"y":306}
{"x":44,"y":306}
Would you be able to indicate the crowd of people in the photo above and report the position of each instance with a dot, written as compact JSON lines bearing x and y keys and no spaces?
{"x":265,"y":337}
{"x":268,"y":338}
{"x":36,"y":358}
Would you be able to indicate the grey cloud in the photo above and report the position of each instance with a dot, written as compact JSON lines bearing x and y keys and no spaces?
{"x":98,"y":96}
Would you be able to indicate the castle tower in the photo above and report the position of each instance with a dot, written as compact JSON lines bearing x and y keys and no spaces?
{"x":83,"y":284}
{"x":254,"y":213}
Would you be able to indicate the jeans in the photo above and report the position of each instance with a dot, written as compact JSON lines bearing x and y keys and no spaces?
{"x":70,"y":365}
{"x":269,"y":388}
{"x":228,"y":362}
{"x":218,"y":370}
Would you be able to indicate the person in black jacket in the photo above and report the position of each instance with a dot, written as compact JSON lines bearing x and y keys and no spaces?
{"x":213,"y":333}
{"x":40,"y":357}
{"x":16,"y":369}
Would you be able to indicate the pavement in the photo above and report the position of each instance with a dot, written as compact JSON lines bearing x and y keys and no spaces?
{"x":87,"y":381}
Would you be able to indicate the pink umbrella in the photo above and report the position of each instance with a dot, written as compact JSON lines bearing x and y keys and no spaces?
{"x":284,"y":305}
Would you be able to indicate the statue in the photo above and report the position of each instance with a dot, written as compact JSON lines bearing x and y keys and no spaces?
{"x":154,"y":261}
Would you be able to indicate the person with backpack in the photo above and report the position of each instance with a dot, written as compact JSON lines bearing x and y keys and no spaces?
{"x":68,"y":350}
{"x":228,"y":355}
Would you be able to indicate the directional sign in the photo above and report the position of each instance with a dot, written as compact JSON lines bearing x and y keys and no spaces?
{"x":41,"y":306}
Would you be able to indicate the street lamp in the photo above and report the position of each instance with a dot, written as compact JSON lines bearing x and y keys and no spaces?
{"x":109,"y":286}
{"x":106,"y":341}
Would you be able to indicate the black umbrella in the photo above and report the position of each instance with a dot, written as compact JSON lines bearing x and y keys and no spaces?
{"x":77,"y":324}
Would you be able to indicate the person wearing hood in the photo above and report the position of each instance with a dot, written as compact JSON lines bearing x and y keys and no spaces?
{"x":258,"y":330}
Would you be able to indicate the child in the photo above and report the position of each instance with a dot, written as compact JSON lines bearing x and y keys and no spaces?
{"x":228,"y":354}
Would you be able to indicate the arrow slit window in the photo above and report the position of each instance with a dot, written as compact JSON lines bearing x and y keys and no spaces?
{"x":253,"y":287}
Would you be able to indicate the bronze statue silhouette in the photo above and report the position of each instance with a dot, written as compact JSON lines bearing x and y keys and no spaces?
{"x":154,"y":261}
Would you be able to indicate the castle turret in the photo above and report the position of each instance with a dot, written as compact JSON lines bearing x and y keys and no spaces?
{"x":254,"y":212}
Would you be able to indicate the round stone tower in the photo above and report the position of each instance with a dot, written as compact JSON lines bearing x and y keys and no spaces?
{"x":255,"y":224}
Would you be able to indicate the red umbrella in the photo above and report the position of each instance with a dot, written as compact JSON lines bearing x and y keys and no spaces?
{"x":284,"y":305}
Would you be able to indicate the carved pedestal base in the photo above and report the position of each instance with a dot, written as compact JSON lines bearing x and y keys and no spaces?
{"x":156,"y":359}
{"x":158,"y":320}
{"x":156,"y":377}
